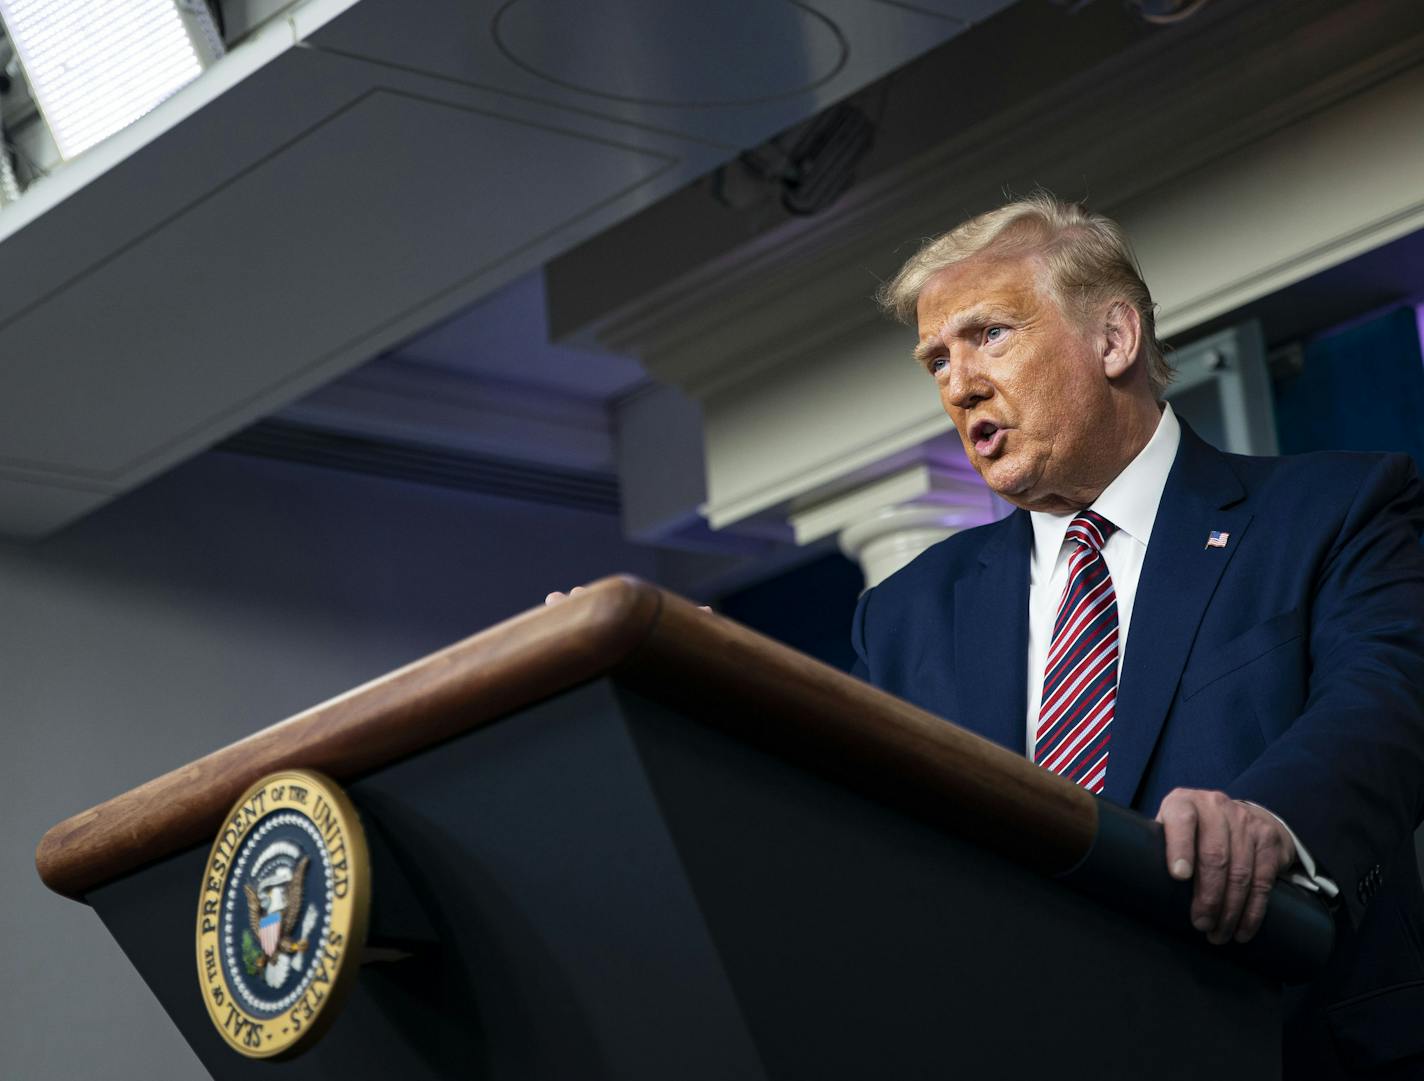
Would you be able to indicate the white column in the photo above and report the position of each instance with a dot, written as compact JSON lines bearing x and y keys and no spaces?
{"x":893,"y":536}
{"x":888,"y":522}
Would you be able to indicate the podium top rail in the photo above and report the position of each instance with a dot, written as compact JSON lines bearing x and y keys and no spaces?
{"x":649,"y":639}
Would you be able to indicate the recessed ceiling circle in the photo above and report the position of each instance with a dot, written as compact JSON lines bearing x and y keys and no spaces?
{"x":655,"y":52}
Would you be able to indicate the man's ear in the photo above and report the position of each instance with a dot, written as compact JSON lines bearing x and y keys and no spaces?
{"x":1122,"y":339}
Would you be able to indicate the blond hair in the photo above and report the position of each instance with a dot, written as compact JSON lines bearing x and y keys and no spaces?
{"x":1087,"y":256}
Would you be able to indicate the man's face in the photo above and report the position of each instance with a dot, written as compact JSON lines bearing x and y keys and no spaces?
{"x":1023,"y":383}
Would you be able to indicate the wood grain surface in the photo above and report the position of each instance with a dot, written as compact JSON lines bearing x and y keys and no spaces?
{"x":714,"y":669}
{"x":767,"y":694}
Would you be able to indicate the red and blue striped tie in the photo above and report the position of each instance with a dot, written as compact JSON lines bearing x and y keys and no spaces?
{"x":1080,"y":676}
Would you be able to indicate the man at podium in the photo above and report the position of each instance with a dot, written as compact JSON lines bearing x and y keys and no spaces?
{"x":1233,"y":644}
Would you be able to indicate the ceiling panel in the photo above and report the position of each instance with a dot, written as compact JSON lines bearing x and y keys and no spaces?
{"x":403,"y":190}
{"x":505,"y":337}
{"x":723,"y":52}
{"x":308,"y":205}
{"x":729,"y":73}
{"x":129,"y":201}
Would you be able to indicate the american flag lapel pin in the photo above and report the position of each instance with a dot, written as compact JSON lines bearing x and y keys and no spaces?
{"x":1217,"y":539}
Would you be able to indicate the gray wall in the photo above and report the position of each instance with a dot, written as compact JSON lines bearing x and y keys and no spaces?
{"x":223,"y":597}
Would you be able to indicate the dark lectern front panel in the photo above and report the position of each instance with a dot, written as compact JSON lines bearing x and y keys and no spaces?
{"x":865,"y":944}
{"x":598,"y":888}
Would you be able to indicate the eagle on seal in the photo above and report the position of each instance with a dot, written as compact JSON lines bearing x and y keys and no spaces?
{"x":282,"y":892}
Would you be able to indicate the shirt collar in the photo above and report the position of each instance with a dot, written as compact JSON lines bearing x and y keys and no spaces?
{"x":1129,"y":502}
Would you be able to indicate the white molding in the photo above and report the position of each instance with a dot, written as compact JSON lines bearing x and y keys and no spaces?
{"x":422,"y":404}
{"x":1311,"y":196}
{"x":841,"y":466}
{"x":959,"y":498}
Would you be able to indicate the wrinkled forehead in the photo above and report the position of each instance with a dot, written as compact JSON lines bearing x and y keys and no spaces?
{"x":1014,"y":284}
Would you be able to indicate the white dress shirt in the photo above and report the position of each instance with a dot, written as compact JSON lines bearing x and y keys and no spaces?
{"x":1130,"y":503}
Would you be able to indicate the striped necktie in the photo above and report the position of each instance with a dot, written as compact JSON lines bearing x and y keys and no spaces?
{"x":1080,"y":676}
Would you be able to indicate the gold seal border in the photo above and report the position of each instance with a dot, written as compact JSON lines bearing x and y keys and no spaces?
{"x":349,"y":916}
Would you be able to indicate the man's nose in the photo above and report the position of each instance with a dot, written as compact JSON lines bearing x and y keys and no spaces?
{"x":966,"y":386}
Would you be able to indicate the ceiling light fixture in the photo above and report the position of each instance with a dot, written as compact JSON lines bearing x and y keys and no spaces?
{"x":96,"y":66}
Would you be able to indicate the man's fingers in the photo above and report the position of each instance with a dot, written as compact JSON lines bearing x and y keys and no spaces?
{"x":1179,"y":825}
{"x":1255,"y":909}
{"x":1240,"y":876}
{"x":1213,"y":862}
{"x":1271,"y":859}
{"x":558,"y":598}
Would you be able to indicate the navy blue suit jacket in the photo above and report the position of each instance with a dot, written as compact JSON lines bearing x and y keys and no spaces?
{"x":1286,"y":668}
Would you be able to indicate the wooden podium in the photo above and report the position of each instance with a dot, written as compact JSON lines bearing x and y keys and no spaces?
{"x":622,"y":838}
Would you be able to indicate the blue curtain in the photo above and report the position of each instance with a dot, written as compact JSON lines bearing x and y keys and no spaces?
{"x":1362,"y":388}
{"x":808,"y":608}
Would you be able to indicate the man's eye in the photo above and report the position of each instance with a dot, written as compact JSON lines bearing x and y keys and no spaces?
{"x":938,"y":365}
{"x":993,"y":334}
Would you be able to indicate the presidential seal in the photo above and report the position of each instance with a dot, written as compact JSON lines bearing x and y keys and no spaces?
{"x":282,"y":914}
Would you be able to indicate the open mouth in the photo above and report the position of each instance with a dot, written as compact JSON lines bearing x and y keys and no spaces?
{"x":986,"y":437}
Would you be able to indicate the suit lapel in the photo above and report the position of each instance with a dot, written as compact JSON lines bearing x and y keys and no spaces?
{"x":991,"y":637}
{"x":1178,"y":578}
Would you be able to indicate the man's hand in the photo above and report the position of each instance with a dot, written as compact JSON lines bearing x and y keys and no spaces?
{"x":1236,"y":851}
{"x":559,"y":598}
